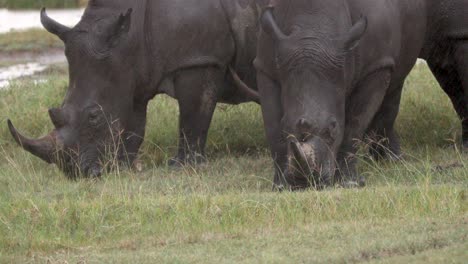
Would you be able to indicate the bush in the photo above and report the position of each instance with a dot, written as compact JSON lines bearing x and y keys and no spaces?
{"x":30,"y":4}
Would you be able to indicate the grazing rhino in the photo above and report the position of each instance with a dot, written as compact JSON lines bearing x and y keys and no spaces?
{"x":124,"y":53}
{"x":331,"y":71}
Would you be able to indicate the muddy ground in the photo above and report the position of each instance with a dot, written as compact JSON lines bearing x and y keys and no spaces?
{"x":24,"y":64}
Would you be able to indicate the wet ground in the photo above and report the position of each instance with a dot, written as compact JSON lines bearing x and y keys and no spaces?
{"x":25,"y":64}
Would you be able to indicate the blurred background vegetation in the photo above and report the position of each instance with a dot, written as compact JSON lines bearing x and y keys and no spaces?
{"x":32,"y":4}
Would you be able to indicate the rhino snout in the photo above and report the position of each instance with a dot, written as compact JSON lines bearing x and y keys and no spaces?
{"x":308,"y":163}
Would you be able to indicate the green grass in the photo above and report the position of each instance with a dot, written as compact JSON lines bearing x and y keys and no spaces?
{"x":32,"y":40}
{"x":224,"y":211}
{"x":32,"y":4}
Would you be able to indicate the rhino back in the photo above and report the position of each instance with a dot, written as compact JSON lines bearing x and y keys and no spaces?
{"x":449,"y":18}
{"x":187,"y":33}
{"x":395,"y":36}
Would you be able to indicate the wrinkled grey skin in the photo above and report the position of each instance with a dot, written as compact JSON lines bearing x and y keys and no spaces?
{"x":124,"y":53}
{"x":446,"y":51}
{"x":330,"y":72}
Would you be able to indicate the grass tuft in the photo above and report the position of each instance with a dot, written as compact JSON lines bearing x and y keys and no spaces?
{"x":31,"y":40}
{"x":34,"y":4}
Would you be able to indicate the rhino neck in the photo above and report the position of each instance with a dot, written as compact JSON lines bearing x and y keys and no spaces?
{"x":140,"y":47}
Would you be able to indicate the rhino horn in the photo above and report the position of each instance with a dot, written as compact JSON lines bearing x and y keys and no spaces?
{"x":243,"y":87}
{"x":297,"y":153}
{"x":303,"y":154}
{"x":53,"y":26}
{"x":43,"y":148}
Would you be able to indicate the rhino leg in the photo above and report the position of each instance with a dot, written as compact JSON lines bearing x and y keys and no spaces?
{"x":135,"y":136}
{"x":270,"y":94}
{"x":449,"y":79}
{"x":385,"y":142}
{"x":361,"y":108}
{"x":461,"y":57}
{"x":196,"y":92}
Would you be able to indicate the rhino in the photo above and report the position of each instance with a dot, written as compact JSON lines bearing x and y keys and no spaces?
{"x":331,"y":72}
{"x":124,"y":53}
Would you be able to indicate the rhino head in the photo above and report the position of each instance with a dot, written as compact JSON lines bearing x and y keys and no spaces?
{"x":313,"y":69}
{"x":99,"y":115}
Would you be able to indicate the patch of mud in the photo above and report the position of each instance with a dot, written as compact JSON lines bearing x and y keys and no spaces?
{"x":51,"y":56}
{"x":21,"y":70}
{"x":448,"y":166}
{"x":24,"y":64}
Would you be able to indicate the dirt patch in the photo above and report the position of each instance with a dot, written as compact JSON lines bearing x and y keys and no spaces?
{"x":27,"y":63}
{"x":49,"y":56}
{"x":448,"y":166}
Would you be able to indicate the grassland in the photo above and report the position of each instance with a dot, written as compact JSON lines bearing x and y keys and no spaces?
{"x":32,"y":4}
{"x":31,"y":40}
{"x":224,"y":211}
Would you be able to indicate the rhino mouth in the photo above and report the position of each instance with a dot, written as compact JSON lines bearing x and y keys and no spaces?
{"x":73,"y":166}
{"x":303,"y":170}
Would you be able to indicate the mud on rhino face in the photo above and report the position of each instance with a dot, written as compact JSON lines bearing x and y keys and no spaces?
{"x":312,"y":68}
{"x":98,"y":107}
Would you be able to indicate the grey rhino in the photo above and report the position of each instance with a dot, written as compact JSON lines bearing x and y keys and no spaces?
{"x":330,"y":72}
{"x":124,"y":53}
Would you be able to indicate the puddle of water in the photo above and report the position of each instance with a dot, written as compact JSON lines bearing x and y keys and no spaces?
{"x":47,"y":57}
{"x":21,"y":20}
{"x":21,"y":70}
{"x":28,"y":64}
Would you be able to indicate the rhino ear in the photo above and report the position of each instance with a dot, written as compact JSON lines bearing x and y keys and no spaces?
{"x":356,"y":33}
{"x":269,"y":25}
{"x":120,"y":28}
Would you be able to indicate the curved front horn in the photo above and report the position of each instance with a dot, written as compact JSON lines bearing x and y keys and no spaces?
{"x":298,"y":153}
{"x":53,"y":26}
{"x":303,"y":155}
{"x":243,"y":87}
{"x":43,"y":148}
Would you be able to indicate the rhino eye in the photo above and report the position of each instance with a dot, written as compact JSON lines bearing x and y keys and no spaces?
{"x":94,"y":116}
{"x":305,"y":136}
{"x":328,"y":135}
